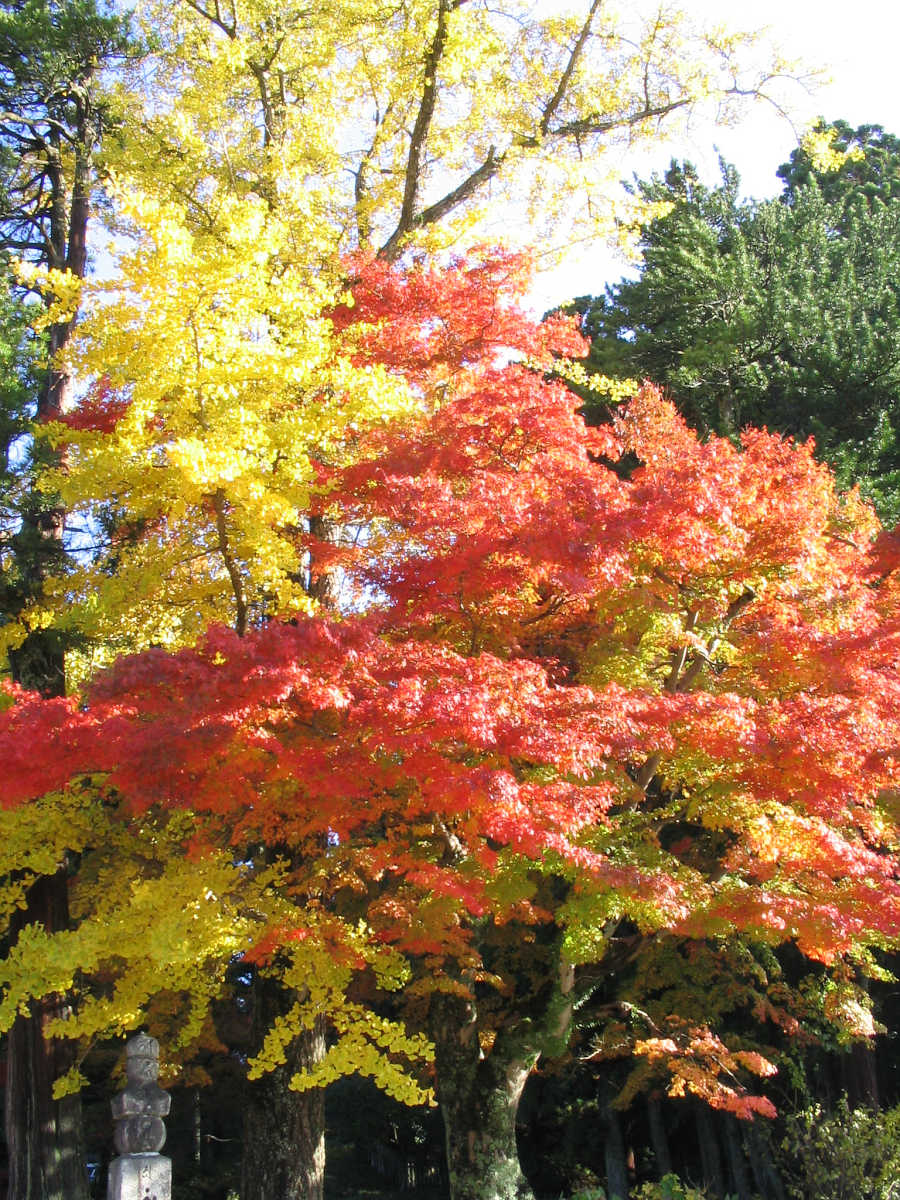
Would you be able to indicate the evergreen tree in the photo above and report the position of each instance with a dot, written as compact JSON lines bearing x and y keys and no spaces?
{"x":770,"y":313}
{"x":867,"y":162}
{"x":51,"y":121}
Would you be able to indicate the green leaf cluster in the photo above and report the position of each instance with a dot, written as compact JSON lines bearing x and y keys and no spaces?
{"x":843,"y":1155}
{"x":780,"y":313}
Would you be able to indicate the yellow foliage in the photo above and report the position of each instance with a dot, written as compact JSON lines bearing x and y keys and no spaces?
{"x":818,"y":142}
{"x":363,"y":120}
{"x":232,"y":388}
{"x":61,"y":288}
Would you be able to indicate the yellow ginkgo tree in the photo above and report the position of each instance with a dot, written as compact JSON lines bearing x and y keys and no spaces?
{"x":218,"y":393}
{"x":399,"y":123}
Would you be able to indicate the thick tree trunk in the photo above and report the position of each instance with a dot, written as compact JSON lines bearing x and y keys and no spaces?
{"x":284,"y":1130}
{"x":737,"y":1163}
{"x":479,"y":1098}
{"x":859,"y":1076}
{"x":765,"y":1173}
{"x":44,"y":1136}
{"x":283,"y":1154}
{"x":659,"y":1139}
{"x":322,"y":581}
{"x":710,"y":1152}
{"x":614,"y":1155}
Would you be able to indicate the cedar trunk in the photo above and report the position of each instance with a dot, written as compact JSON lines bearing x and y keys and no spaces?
{"x":479,"y":1098}
{"x":615,"y":1157}
{"x":284,"y":1130}
{"x":44,"y":1136}
{"x":710,"y":1151}
{"x":659,"y":1139}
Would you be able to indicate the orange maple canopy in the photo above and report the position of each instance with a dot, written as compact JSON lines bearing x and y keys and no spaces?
{"x":660,"y":670}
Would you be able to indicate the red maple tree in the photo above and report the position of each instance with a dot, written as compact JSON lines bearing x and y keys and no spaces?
{"x":599,"y":688}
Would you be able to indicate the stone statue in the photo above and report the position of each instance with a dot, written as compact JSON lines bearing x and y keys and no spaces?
{"x":141,"y":1172}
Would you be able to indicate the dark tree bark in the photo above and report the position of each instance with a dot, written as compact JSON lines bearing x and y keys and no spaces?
{"x":765,"y":1173}
{"x":737,"y":1163}
{"x":284,"y":1130}
{"x":44,"y":1136}
{"x":859,"y":1076}
{"x":479,"y":1097}
{"x":614,"y":1153}
{"x":659,"y":1139}
{"x":710,"y":1153}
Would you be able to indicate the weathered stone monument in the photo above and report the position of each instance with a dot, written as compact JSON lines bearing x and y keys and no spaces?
{"x":140,"y":1172}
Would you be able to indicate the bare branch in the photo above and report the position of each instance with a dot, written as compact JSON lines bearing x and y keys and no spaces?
{"x":562,"y":87}
{"x":438,"y":210}
{"x":419,"y":135}
{"x":229,"y":28}
{"x":679,"y":657}
{"x":597,"y":124}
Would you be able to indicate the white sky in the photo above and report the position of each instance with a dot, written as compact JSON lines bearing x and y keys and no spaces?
{"x":857,"y":44}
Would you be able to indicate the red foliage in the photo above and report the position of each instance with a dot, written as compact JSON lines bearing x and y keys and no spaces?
{"x":426,"y":321}
{"x":677,"y":682}
{"x":97,"y":412}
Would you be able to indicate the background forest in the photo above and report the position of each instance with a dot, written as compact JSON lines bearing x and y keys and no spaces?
{"x":467,"y":742}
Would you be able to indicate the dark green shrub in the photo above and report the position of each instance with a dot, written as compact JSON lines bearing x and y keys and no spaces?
{"x":847,"y":1154}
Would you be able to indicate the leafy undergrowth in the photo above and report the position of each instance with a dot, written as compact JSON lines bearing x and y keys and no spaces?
{"x":848,"y":1154}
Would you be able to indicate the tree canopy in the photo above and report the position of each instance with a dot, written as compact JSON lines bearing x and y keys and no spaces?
{"x":418,"y":687}
{"x":575,"y":708}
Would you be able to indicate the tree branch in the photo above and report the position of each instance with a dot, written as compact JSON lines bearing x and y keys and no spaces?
{"x":215,"y":18}
{"x":231,"y":566}
{"x":440,"y":208}
{"x":562,"y":87}
{"x":419,"y":135}
{"x":597,"y":124}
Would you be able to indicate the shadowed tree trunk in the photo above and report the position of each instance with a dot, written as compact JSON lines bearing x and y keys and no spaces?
{"x":736,"y":1162}
{"x":284,"y":1130}
{"x":765,"y":1173}
{"x":710,"y":1153}
{"x":479,"y":1096}
{"x":44,"y":1136}
{"x":614,"y":1154}
{"x":859,"y":1076}
{"x":659,"y":1139}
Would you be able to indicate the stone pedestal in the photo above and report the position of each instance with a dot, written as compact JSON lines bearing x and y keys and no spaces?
{"x":140,"y":1177}
{"x":140,"y":1172}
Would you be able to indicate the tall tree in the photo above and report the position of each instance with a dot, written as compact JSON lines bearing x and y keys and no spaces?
{"x":274,"y":141}
{"x":411,"y":122}
{"x":603,"y":687}
{"x":863,"y":161}
{"x":20,"y":354}
{"x":50,"y":58}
